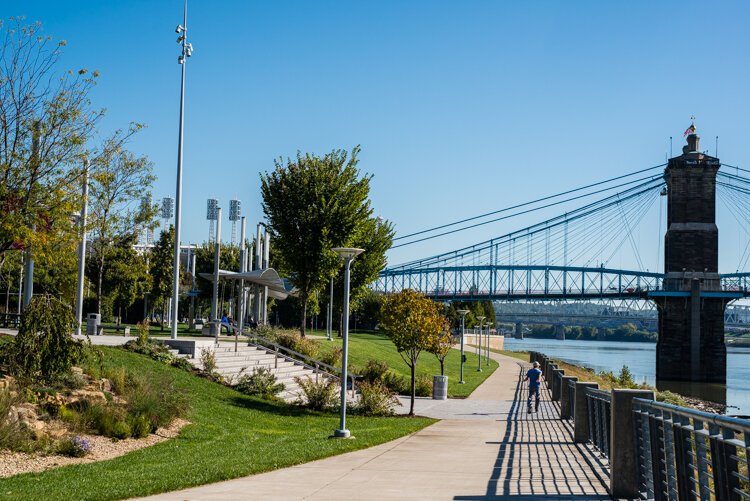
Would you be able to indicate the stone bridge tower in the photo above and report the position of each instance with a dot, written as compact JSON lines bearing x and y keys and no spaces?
{"x":691,"y":307}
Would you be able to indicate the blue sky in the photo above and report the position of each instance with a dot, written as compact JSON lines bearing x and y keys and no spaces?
{"x":460,"y":107}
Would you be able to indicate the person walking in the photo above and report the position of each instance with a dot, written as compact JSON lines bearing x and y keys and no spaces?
{"x":534,"y":377}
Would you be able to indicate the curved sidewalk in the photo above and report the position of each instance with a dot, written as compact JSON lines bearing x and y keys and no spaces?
{"x":485,"y":447}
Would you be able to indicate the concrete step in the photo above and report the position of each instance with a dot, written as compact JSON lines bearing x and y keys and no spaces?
{"x":269,"y":364}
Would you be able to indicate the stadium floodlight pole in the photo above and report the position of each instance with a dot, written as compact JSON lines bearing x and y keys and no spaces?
{"x":82,"y":248}
{"x":463,"y":314}
{"x":347,"y":254}
{"x":187,"y":51}
{"x":479,"y":339}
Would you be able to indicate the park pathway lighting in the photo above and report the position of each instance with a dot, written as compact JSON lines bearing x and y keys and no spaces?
{"x":187,"y":51}
{"x":347,"y":254}
{"x":463,"y":314}
{"x":479,"y":343}
{"x":82,"y":248}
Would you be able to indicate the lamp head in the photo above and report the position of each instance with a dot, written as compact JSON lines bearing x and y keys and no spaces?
{"x":347,"y":252}
{"x":463,"y":313}
{"x":481,"y":318}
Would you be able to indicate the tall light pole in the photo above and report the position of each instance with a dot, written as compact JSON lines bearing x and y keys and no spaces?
{"x":82,"y":248}
{"x":463,"y":314}
{"x":329,"y":319}
{"x":347,"y":254}
{"x":187,"y":51}
{"x":479,"y":366}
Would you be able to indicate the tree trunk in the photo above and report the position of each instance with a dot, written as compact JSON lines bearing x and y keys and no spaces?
{"x":164,"y":314}
{"x":442,"y":367}
{"x":303,"y":318}
{"x":413,"y":387}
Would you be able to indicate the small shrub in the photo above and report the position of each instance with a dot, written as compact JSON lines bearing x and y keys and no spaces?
{"x":671,"y":398}
{"x":294,"y":341}
{"x":374,"y":370}
{"x":375,"y":399}
{"x":155,"y":399}
{"x":423,"y":386}
{"x":261,"y":383}
{"x":182,"y":363}
{"x":626,"y":378}
{"x":73,"y":380}
{"x":75,"y":446}
{"x":332,"y":357}
{"x":318,"y":395}
{"x":142,"y":331}
{"x":121,"y":430}
{"x":396,"y":382}
{"x":140,"y":427}
{"x":45,"y":349}
{"x":208,"y":360}
{"x":267,"y":331}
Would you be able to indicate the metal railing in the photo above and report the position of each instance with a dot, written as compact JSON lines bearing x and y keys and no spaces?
{"x":10,"y":319}
{"x":571,"y":399}
{"x":318,"y":367}
{"x":599,"y":405}
{"x":689,"y":454}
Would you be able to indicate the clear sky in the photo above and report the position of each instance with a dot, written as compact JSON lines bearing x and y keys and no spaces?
{"x":460,"y":107}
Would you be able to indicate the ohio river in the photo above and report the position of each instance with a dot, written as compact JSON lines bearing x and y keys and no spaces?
{"x":641,"y":360}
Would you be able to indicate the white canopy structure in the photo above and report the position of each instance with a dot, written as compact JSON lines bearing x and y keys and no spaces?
{"x":277,"y":287}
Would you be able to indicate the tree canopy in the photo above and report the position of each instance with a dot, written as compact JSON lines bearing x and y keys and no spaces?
{"x":413,"y":322}
{"x":313,"y":204}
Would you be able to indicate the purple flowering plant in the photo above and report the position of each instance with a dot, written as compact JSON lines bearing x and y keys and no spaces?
{"x":79,"y":446}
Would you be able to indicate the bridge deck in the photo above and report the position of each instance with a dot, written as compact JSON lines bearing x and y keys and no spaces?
{"x":485,"y":447}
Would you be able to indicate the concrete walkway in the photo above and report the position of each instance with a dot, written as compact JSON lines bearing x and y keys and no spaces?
{"x":485,"y":447}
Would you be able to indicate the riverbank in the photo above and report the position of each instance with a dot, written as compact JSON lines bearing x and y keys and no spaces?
{"x":623,"y":378}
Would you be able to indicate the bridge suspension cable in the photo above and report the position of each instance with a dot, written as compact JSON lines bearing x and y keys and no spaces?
{"x":527,"y":204}
{"x":591,"y":233}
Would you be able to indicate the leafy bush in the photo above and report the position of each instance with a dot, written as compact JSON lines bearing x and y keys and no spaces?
{"x":671,"y":398}
{"x":140,"y":426}
{"x":332,"y":357}
{"x":45,"y":349}
{"x":261,"y":383}
{"x":208,"y":360}
{"x":396,"y":382}
{"x":294,"y":341}
{"x":158,"y":352}
{"x":375,"y":399}
{"x":318,"y":395}
{"x":423,"y":386}
{"x":374,"y":370}
{"x":75,"y":446}
{"x":181,"y":363}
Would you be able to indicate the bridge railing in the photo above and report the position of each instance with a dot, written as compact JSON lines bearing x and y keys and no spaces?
{"x":689,"y":454}
{"x":599,"y":410}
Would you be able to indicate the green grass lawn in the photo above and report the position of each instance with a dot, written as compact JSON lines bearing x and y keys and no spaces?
{"x":521,"y":355}
{"x":231,"y":435}
{"x":364,"y":346}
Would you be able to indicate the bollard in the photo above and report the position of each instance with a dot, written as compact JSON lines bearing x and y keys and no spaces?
{"x":581,"y":419}
{"x":548,"y":374}
{"x":565,"y":396}
{"x":532,"y":356}
{"x":623,"y":454}
{"x":557,"y":375}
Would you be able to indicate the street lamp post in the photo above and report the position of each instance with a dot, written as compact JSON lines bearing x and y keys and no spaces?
{"x":479,"y":366}
{"x":82,"y":248}
{"x":187,"y":51}
{"x":463,"y":314}
{"x":329,"y":316}
{"x":347,"y":254}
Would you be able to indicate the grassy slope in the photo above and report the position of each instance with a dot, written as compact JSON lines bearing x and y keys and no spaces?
{"x":366,"y":346}
{"x":231,"y":435}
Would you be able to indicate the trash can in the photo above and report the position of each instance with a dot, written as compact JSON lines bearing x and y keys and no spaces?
{"x":439,"y":387}
{"x":93,"y":320}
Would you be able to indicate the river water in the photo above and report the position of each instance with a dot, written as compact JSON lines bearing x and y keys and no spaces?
{"x":641,"y":360}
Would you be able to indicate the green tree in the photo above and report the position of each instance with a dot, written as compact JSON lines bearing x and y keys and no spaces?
{"x":162,"y":256}
{"x":312,"y":205}
{"x":441,"y":345}
{"x":119,"y":182}
{"x":412,"y":321}
{"x":45,"y":121}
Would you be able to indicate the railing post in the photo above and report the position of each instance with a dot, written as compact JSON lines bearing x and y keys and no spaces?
{"x":623,"y":455}
{"x":565,"y":396}
{"x":548,"y":373}
{"x":557,"y":375}
{"x":581,"y":418}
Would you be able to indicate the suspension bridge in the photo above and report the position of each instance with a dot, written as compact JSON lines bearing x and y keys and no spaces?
{"x":571,"y":256}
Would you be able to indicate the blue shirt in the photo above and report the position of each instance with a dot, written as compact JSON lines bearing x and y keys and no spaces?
{"x":535,"y":378}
